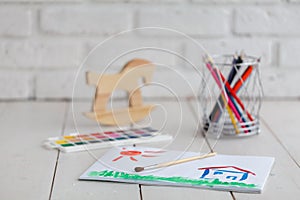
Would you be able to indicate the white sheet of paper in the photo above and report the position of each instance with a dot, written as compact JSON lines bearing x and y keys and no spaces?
{"x":221,"y":172}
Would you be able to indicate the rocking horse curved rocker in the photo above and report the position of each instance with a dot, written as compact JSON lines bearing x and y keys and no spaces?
{"x":128,"y":80}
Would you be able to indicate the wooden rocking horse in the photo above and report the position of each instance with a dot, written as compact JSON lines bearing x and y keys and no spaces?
{"x":128,"y":80}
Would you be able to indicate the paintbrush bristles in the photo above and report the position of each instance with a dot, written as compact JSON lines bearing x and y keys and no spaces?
{"x":139,"y":169}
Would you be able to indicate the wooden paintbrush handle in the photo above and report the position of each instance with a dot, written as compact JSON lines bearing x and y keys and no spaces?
{"x":185,"y":160}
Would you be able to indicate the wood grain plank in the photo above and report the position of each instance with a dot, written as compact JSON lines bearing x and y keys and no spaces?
{"x":284,"y":180}
{"x":72,"y":165}
{"x":283,"y":118}
{"x":26,"y":169}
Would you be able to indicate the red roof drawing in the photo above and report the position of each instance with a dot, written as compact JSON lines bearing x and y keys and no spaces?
{"x":218,"y":167}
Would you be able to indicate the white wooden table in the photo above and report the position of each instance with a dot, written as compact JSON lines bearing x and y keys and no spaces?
{"x":28,"y":171}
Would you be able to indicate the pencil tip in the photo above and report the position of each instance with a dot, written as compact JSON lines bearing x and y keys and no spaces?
{"x":139,"y":169}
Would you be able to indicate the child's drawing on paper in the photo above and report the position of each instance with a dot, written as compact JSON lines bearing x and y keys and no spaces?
{"x":133,"y":154}
{"x":221,"y":172}
{"x":225,"y":173}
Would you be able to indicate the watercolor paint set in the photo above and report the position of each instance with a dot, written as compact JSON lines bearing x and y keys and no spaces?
{"x":82,"y":142}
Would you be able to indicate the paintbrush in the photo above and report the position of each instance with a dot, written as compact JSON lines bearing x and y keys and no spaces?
{"x":166,"y":164}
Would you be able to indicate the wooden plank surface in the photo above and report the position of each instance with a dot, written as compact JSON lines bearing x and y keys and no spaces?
{"x":283,"y":120}
{"x":180,"y":123}
{"x":72,"y":165}
{"x":284,"y":180}
{"x":26,"y":169}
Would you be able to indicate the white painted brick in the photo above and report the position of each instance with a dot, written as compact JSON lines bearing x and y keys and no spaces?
{"x":192,"y":20}
{"x":39,"y":1}
{"x":98,"y":1}
{"x":237,"y":1}
{"x":289,"y":53}
{"x":59,"y":84}
{"x":208,"y":23}
{"x":156,"y":1}
{"x":39,"y":54}
{"x":144,"y":1}
{"x":86,"y":19}
{"x":15,"y":84}
{"x":174,"y":84}
{"x":273,"y":20}
{"x":253,"y":47}
{"x":280,"y":82}
{"x":152,"y":49}
{"x":15,"y":21}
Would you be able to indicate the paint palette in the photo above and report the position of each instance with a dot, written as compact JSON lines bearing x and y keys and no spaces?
{"x":82,"y":142}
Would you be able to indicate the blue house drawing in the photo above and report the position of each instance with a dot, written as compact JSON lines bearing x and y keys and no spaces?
{"x":225,"y":173}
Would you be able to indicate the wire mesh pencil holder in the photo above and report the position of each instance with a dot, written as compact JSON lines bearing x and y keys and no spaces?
{"x":230,"y":96}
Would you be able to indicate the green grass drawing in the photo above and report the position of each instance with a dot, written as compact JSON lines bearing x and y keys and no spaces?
{"x":175,"y":179}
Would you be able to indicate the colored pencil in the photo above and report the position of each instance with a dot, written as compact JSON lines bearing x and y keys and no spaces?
{"x":229,"y":106}
{"x":215,"y":114}
{"x":235,"y":68}
{"x":236,"y":97}
{"x":243,"y":79}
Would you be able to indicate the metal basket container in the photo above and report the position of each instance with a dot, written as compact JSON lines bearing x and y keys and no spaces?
{"x":230,"y":96}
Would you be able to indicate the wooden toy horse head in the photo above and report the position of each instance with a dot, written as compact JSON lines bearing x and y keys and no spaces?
{"x":128,"y":80}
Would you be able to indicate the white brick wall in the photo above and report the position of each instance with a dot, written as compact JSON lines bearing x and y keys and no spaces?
{"x":15,"y":22}
{"x":271,"y":20}
{"x":16,"y":84}
{"x":39,"y":54}
{"x":76,"y":20}
{"x":43,"y":42}
{"x":132,"y":48}
{"x":59,"y":85}
{"x":252,"y":46}
{"x":188,"y":19}
{"x":289,"y":51}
